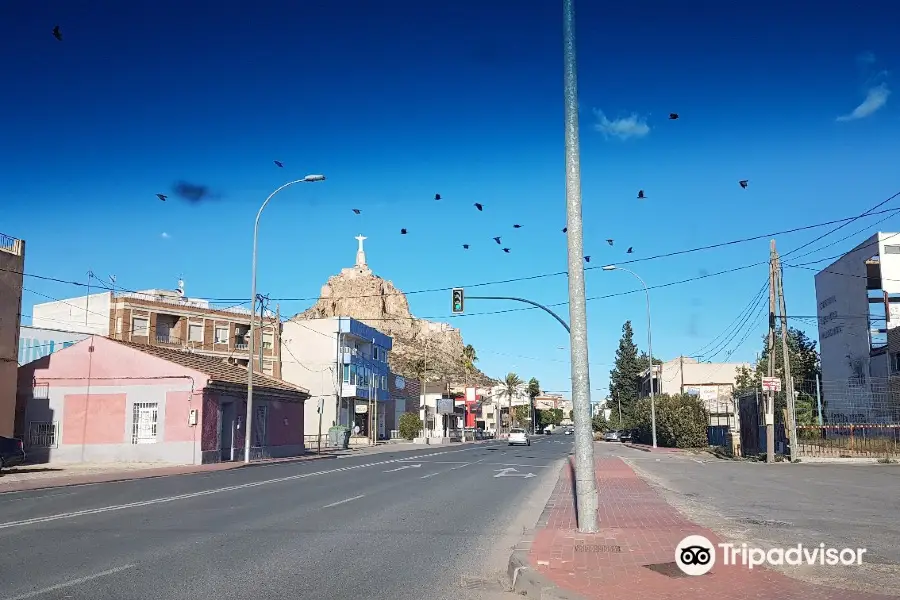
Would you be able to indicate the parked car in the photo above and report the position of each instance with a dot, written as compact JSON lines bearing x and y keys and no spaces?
{"x":611,"y":436}
{"x":12,"y":452}
{"x":548,"y":431}
{"x":625,"y":436}
{"x":519,"y":437}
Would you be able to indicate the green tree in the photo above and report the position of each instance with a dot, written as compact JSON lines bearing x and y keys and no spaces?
{"x":468,"y":360}
{"x":534,"y":388}
{"x":511,"y":385}
{"x":522,"y":414}
{"x":410,"y":425}
{"x":624,"y":377}
{"x":599,"y":423}
{"x":681,"y":421}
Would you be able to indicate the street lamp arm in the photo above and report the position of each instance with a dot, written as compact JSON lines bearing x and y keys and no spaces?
{"x":272,"y":195}
{"x":526,"y":301}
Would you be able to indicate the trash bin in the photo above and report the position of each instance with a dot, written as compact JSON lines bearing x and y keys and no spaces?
{"x":339,"y":437}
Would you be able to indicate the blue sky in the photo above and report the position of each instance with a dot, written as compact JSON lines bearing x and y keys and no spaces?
{"x":397,"y":101}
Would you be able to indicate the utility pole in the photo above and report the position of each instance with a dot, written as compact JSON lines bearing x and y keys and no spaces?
{"x":424,"y":397}
{"x":585,"y":476}
{"x":770,"y":346}
{"x":788,"y":379}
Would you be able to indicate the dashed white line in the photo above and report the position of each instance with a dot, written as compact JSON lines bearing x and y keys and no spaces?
{"x":344,"y":501}
{"x":70,"y":583}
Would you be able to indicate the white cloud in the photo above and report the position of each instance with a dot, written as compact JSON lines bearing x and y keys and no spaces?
{"x":876,"y":98}
{"x":866,"y":58}
{"x":164,"y":235}
{"x":622,"y":128}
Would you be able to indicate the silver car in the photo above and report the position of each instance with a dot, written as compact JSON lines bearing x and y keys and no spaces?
{"x":611,"y":436}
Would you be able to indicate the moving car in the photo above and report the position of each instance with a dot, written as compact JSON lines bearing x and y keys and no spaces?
{"x":12,"y":452}
{"x":570,"y":431}
{"x":519,"y":437}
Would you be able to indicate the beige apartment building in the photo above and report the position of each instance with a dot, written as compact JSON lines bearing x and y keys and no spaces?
{"x":12,"y":263}
{"x":169,"y":319}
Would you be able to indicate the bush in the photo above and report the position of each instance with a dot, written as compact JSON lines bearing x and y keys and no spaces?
{"x":598,"y":423}
{"x":410,"y":425}
{"x":681,"y":421}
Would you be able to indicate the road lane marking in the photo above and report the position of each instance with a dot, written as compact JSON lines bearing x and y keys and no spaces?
{"x":70,"y":583}
{"x":415,"y":466}
{"x":167,"y":499}
{"x":344,"y":501}
{"x":429,"y":475}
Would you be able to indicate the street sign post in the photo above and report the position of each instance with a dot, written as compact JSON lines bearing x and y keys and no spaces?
{"x":771,"y":384}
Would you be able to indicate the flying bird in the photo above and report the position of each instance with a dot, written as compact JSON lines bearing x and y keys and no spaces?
{"x":162,"y":197}
{"x":565,"y":229}
{"x":497,"y":239}
{"x":437,"y":196}
{"x":479,"y":206}
{"x":587,"y":259}
{"x":57,"y":33}
{"x":356,"y":210}
{"x":673,"y":116}
{"x":610,"y":242}
{"x":465,"y":246}
{"x":279,"y":164}
{"x":630,"y":250}
{"x":403,"y":232}
{"x":517,"y":226}
{"x":506,"y":250}
{"x":641,"y":195}
{"x":744,"y":183}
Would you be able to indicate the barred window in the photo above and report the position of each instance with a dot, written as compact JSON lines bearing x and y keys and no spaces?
{"x":144,"y":422}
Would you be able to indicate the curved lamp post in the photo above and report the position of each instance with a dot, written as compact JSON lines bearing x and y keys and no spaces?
{"x":649,"y":346}
{"x":248,"y":429}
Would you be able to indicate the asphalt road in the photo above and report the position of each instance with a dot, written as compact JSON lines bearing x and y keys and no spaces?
{"x":780,"y":505}
{"x":430,"y":523}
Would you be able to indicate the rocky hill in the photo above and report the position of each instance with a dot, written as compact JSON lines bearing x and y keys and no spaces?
{"x":358,"y":293}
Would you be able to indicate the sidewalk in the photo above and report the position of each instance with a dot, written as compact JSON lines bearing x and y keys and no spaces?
{"x":634,"y":552}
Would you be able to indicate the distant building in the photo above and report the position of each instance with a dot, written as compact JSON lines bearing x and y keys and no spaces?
{"x":12,"y":267}
{"x":151,"y":404}
{"x":713,"y":382}
{"x":169,"y":319}
{"x":344,"y":364}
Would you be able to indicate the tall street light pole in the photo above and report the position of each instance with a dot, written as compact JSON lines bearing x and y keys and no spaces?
{"x":585,"y":477}
{"x":248,"y":429}
{"x":649,"y":346}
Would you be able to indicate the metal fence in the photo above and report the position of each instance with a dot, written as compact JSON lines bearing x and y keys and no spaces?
{"x":848,"y":418}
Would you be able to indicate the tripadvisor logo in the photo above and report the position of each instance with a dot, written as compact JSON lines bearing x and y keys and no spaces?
{"x":696,"y":555}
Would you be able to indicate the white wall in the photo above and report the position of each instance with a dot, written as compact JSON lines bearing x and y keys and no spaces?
{"x":70,"y":314}
{"x":309,"y":359}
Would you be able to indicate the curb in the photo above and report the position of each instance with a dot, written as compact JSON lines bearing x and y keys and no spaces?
{"x":643,"y":448}
{"x":139,"y":477}
{"x":527,"y":582}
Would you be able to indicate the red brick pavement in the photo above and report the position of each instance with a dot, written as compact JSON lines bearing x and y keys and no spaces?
{"x":639,"y":528}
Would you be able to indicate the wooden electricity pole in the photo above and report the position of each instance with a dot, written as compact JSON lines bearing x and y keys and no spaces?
{"x":791,"y":421}
{"x":770,"y":347}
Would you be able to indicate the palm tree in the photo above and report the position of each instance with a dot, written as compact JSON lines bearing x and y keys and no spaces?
{"x":534,"y":390}
{"x":469,"y":358}
{"x":511,"y":384}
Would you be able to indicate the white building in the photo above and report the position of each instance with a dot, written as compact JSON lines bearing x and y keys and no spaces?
{"x":713,"y":382}
{"x":858,"y":300}
{"x":343,"y":364}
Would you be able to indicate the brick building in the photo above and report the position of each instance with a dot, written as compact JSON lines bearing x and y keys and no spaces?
{"x":168,"y":319}
{"x":12,"y":265}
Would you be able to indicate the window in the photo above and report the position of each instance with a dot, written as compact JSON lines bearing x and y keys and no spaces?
{"x":347,"y":373}
{"x":140,"y":326}
{"x":259,"y":425}
{"x":42,"y":435}
{"x":195,"y":332}
{"x":221,"y":335}
{"x":267,"y":340}
{"x":118,"y":326}
{"x":895,"y":362}
{"x":268,"y":368}
{"x":143,"y":423}
{"x":384,"y":382}
{"x":352,"y":374}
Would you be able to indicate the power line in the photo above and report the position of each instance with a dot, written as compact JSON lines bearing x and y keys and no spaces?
{"x":762,"y":290}
{"x":741,"y":321}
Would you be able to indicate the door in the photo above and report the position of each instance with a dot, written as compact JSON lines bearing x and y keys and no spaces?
{"x":226,"y":437}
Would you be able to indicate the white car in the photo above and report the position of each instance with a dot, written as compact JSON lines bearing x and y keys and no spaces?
{"x":519,"y":437}
{"x":569,"y":431}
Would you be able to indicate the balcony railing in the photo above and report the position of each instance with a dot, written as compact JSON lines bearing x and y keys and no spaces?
{"x":10,"y":244}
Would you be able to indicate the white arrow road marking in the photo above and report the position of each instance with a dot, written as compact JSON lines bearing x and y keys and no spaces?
{"x":416,"y":466}
{"x":513,"y":473}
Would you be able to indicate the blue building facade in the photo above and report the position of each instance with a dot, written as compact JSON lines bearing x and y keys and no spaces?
{"x":363,"y":354}
{"x":35,"y":342}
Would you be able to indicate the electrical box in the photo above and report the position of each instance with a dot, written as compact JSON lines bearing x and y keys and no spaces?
{"x":192,"y":418}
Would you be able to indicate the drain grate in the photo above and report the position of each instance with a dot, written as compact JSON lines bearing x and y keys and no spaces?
{"x":766,"y":523}
{"x":669,"y":569}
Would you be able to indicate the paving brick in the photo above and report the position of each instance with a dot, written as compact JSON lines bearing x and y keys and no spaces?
{"x":639,"y":528}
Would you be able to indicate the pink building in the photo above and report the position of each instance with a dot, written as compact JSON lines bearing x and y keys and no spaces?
{"x":103,"y":400}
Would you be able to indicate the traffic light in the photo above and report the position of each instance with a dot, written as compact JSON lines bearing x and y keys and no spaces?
{"x":458,"y":300}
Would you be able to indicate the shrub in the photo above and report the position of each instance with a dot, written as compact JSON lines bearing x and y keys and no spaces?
{"x":681,"y":421}
{"x":410,"y":425}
